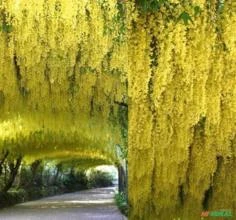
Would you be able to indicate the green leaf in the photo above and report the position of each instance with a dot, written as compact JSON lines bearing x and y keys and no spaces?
{"x":185,"y":17}
{"x":197,"y":10}
{"x":6,"y":28}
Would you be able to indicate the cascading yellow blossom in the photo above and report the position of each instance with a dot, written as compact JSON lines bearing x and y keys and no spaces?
{"x":182,"y":129}
{"x":56,"y":98}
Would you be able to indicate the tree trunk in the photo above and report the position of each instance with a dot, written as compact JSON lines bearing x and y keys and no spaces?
{"x":58,"y":167}
{"x":121,"y":178}
{"x":34,"y":168}
{"x":13,"y":172}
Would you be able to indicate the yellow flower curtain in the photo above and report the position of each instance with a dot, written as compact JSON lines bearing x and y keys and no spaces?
{"x":182,"y":109}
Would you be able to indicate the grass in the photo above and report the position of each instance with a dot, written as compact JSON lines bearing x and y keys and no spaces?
{"x":121,"y":202}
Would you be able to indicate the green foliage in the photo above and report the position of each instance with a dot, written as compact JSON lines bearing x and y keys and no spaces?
{"x":150,"y":5}
{"x":99,"y":178}
{"x":12,"y":197}
{"x":185,"y":17}
{"x":50,"y":191}
{"x":171,"y":12}
{"x":6,"y":28}
{"x":32,"y":176}
{"x":75,"y":181}
{"x":34,"y":192}
{"x":121,"y":202}
{"x":40,"y":179}
{"x":197,"y":10}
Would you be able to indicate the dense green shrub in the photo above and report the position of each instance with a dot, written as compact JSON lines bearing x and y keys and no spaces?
{"x":34,"y":192}
{"x":99,"y":178}
{"x":75,"y":181}
{"x":50,"y":191}
{"x":12,"y":197}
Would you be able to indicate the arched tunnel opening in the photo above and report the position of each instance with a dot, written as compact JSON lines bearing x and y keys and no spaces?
{"x":48,"y":154}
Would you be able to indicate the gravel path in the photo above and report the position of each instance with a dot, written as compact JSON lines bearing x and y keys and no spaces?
{"x":95,"y":204}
